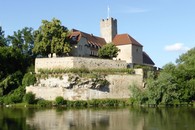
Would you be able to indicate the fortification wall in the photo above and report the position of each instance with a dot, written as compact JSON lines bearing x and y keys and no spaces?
{"x":77,"y":62}
{"x":52,"y":87}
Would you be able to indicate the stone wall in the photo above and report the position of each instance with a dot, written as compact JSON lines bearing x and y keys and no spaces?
{"x":52,"y":87}
{"x":77,"y":62}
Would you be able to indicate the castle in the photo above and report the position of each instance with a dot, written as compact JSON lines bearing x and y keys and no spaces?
{"x":87,"y":45}
{"x":84,"y":50}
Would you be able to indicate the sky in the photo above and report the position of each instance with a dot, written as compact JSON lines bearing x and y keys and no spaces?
{"x":166,"y":28}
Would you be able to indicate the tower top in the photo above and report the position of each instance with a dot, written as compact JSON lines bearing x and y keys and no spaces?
{"x":108,"y":29}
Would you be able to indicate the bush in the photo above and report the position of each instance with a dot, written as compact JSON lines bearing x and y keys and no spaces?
{"x":79,"y":103}
{"x":28,"y":79}
{"x":1,"y":100}
{"x":44,"y":103}
{"x":17,"y":95}
{"x":60,"y":100}
{"x":29,"y":98}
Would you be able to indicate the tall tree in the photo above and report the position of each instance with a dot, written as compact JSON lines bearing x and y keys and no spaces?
{"x":52,"y":37}
{"x":2,"y":38}
{"x":174,"y":84}
{"x":23,"y":40}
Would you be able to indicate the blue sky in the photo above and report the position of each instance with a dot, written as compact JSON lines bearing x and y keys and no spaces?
{"x":166,"y":28}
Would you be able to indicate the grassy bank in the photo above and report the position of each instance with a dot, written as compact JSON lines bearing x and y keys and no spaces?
{"x":60,"y":102}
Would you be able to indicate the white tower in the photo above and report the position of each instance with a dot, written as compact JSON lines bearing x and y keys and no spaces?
{"x":108,"y":29}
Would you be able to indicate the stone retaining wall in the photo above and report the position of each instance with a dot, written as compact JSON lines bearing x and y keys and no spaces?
{"x":52,"y":87}
{"x":77,"y":62}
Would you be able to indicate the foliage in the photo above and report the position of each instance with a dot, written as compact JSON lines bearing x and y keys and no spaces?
{"x":29,"y":98}
{"x":108,"y":51}
{"x":2,"y":38}
{"x":44,"y":103}
{"x":23,"y":40}
{"x":15,"y":60}
{"x":28,"y":79}
{"x":175,"y":84}
{"x":137,"y":94}
{"x":15,"y":96}
{"x":11,"y":82}
{"x":85,"y":70}
{"x":78,"y":103}
{"x":11,"y":61}
{"x":60,"y":100}
{"x":51,"y":37}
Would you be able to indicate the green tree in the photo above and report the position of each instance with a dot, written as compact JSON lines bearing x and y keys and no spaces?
{"x":11,"y":82}
{"x":52,"y":37}
{"x":108,"y":51}
{"x":29,"y":98}
{"x":23,"y":40}
{"x":175,"y":83}
{"x":2,"y":38}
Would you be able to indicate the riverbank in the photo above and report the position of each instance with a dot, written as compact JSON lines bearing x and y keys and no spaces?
{"x":95,"y":103}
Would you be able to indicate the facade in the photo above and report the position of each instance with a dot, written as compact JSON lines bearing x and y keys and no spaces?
{"x":84,"y":44}
{"x":130,"y":50}
{"x":87,"y":45}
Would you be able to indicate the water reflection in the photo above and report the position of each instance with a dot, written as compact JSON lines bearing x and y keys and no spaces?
{"x":105,"y":119}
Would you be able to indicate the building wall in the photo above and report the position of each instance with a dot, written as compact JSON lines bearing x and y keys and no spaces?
{"x":80,"y":49}
{"x":131,"y":53}
{"x":77,"y":62}
{"x":52,"y":87}
{"x":108,"y":29}
{"x":125,"y":53}
{"x":137,"y":54}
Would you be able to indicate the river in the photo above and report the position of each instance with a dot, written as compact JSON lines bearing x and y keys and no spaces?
{"x":131,"y":118}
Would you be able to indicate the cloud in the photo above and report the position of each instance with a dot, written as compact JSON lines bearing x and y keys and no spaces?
{"x":176,"y":47}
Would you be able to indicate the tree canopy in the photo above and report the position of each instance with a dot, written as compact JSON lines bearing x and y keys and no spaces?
{"x":22,"y":40}
{"x":2,"y":38}
{"x":51,"y":37}
{"x":175,"y":84}
{"x":108,"y":51}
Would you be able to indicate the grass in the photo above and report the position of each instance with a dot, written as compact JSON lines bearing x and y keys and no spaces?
{"x":85,"y":70}
{"x":94,"y":103}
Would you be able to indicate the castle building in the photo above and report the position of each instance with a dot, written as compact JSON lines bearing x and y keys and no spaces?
{"x":87,"y":45}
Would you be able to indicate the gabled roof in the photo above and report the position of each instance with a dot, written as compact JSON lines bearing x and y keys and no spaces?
{"x":91,"y":39}
{"x":147,"y":60}
{"x":124,"y":39}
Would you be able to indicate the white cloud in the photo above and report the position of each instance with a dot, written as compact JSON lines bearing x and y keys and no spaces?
{"x":176,"y":47}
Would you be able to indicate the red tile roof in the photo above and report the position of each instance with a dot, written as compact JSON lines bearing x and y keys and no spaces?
{"x":91,"y":39}
{"x":124,"y":39}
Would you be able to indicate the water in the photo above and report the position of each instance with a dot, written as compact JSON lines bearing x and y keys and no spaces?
{"x":98,"y":119}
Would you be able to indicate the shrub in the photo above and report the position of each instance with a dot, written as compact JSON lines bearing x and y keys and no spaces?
{"x":29,"y":98}
{"x":28,"y":79}
{"x":17,"y":95}
{"x":60,"y":100}
{"x":1,"y":100}
{"x":44,"y":103}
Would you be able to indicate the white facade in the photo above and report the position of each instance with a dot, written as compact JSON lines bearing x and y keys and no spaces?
{"x":130,"y":53}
